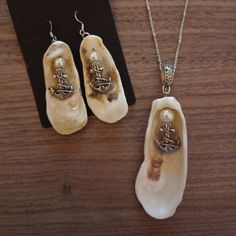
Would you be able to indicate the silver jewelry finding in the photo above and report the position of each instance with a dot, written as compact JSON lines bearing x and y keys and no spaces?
{"x":168,"y":140}
{"x":53,"y":37}
{"x":99,"y":83}
{"x":64,"y":89}
{"x":167,"y":77}
{"x":166,"y":88}
{"x":82,"y":31}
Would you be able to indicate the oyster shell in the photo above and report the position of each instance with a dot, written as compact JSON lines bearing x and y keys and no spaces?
{"x":103,"y":86}
{"x":65,"y":105}
{"x":161,"y":180}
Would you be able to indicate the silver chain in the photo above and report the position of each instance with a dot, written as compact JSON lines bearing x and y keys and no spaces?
{"x":155,"y":38}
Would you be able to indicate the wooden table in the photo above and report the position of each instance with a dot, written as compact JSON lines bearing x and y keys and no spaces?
{"x":83,"y":184}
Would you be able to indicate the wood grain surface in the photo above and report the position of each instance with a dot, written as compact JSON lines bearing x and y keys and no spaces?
{"x":83,"y":184}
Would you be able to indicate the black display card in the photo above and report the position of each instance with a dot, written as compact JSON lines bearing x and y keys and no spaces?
{"x":32,"y":29}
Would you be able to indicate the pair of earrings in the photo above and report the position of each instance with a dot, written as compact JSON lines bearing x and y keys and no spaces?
{"x":104,"y":91}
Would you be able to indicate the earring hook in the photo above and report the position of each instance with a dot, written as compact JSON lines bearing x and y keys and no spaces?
{"x":54,"y":38}
{"x":82,"y":31}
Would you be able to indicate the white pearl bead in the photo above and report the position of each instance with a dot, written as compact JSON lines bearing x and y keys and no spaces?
{"x":167,"y":115}
{"x":94,"y":56}
{"x":59,"y":62}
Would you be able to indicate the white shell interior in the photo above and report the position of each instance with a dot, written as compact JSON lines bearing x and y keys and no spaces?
{"x":69,"y":115}
{"x":161,"y":196}
{"x":92,"y":47}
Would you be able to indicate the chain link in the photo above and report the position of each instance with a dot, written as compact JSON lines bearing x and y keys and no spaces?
{"x":155,"y":38}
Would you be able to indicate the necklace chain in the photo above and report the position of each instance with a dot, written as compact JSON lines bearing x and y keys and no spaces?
{"x":155,"y":38}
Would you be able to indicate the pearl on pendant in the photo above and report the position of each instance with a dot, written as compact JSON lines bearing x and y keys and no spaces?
{"x":167,"y":115}
{"x":59,"y":62}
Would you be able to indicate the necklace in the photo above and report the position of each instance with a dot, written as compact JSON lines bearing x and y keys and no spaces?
{"x":167,"y":69}
{"x":161,"y":179}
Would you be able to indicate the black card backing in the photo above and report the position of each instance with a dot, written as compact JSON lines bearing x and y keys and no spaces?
{"x":32,"y":29}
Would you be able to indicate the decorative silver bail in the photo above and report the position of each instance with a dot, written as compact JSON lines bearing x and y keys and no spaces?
{"x":167,"y":77}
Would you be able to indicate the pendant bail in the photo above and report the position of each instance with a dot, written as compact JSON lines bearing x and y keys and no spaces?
{"x":167,"y":77}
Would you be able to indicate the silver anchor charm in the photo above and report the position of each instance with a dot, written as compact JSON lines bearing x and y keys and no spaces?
{"x":99,"y":83}
{"x":168,"y":140}
{"x":64,"y":89}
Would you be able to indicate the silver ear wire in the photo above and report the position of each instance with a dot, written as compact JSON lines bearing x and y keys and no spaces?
{"x":54,"y":38}
{"x":82,"y":32}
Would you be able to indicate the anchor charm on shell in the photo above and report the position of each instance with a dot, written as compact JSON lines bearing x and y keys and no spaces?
{"x":64,"y":89}
{"x":99,"y":83}
{"x":168,"y":141}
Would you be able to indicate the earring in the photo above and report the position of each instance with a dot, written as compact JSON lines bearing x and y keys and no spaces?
{"x":66,"y":109}
{"x":104,"y":90}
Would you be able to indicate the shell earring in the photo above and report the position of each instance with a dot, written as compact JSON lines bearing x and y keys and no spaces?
{"x":66,"y":109}
{"x":104,"y":90}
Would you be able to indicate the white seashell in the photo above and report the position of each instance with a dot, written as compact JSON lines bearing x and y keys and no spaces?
{"x":103,"y":86}
{"x":67,"y":115}
{"x":161,"y":179}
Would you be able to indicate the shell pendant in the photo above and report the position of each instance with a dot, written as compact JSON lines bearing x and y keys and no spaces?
{"x":161,"y":180}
